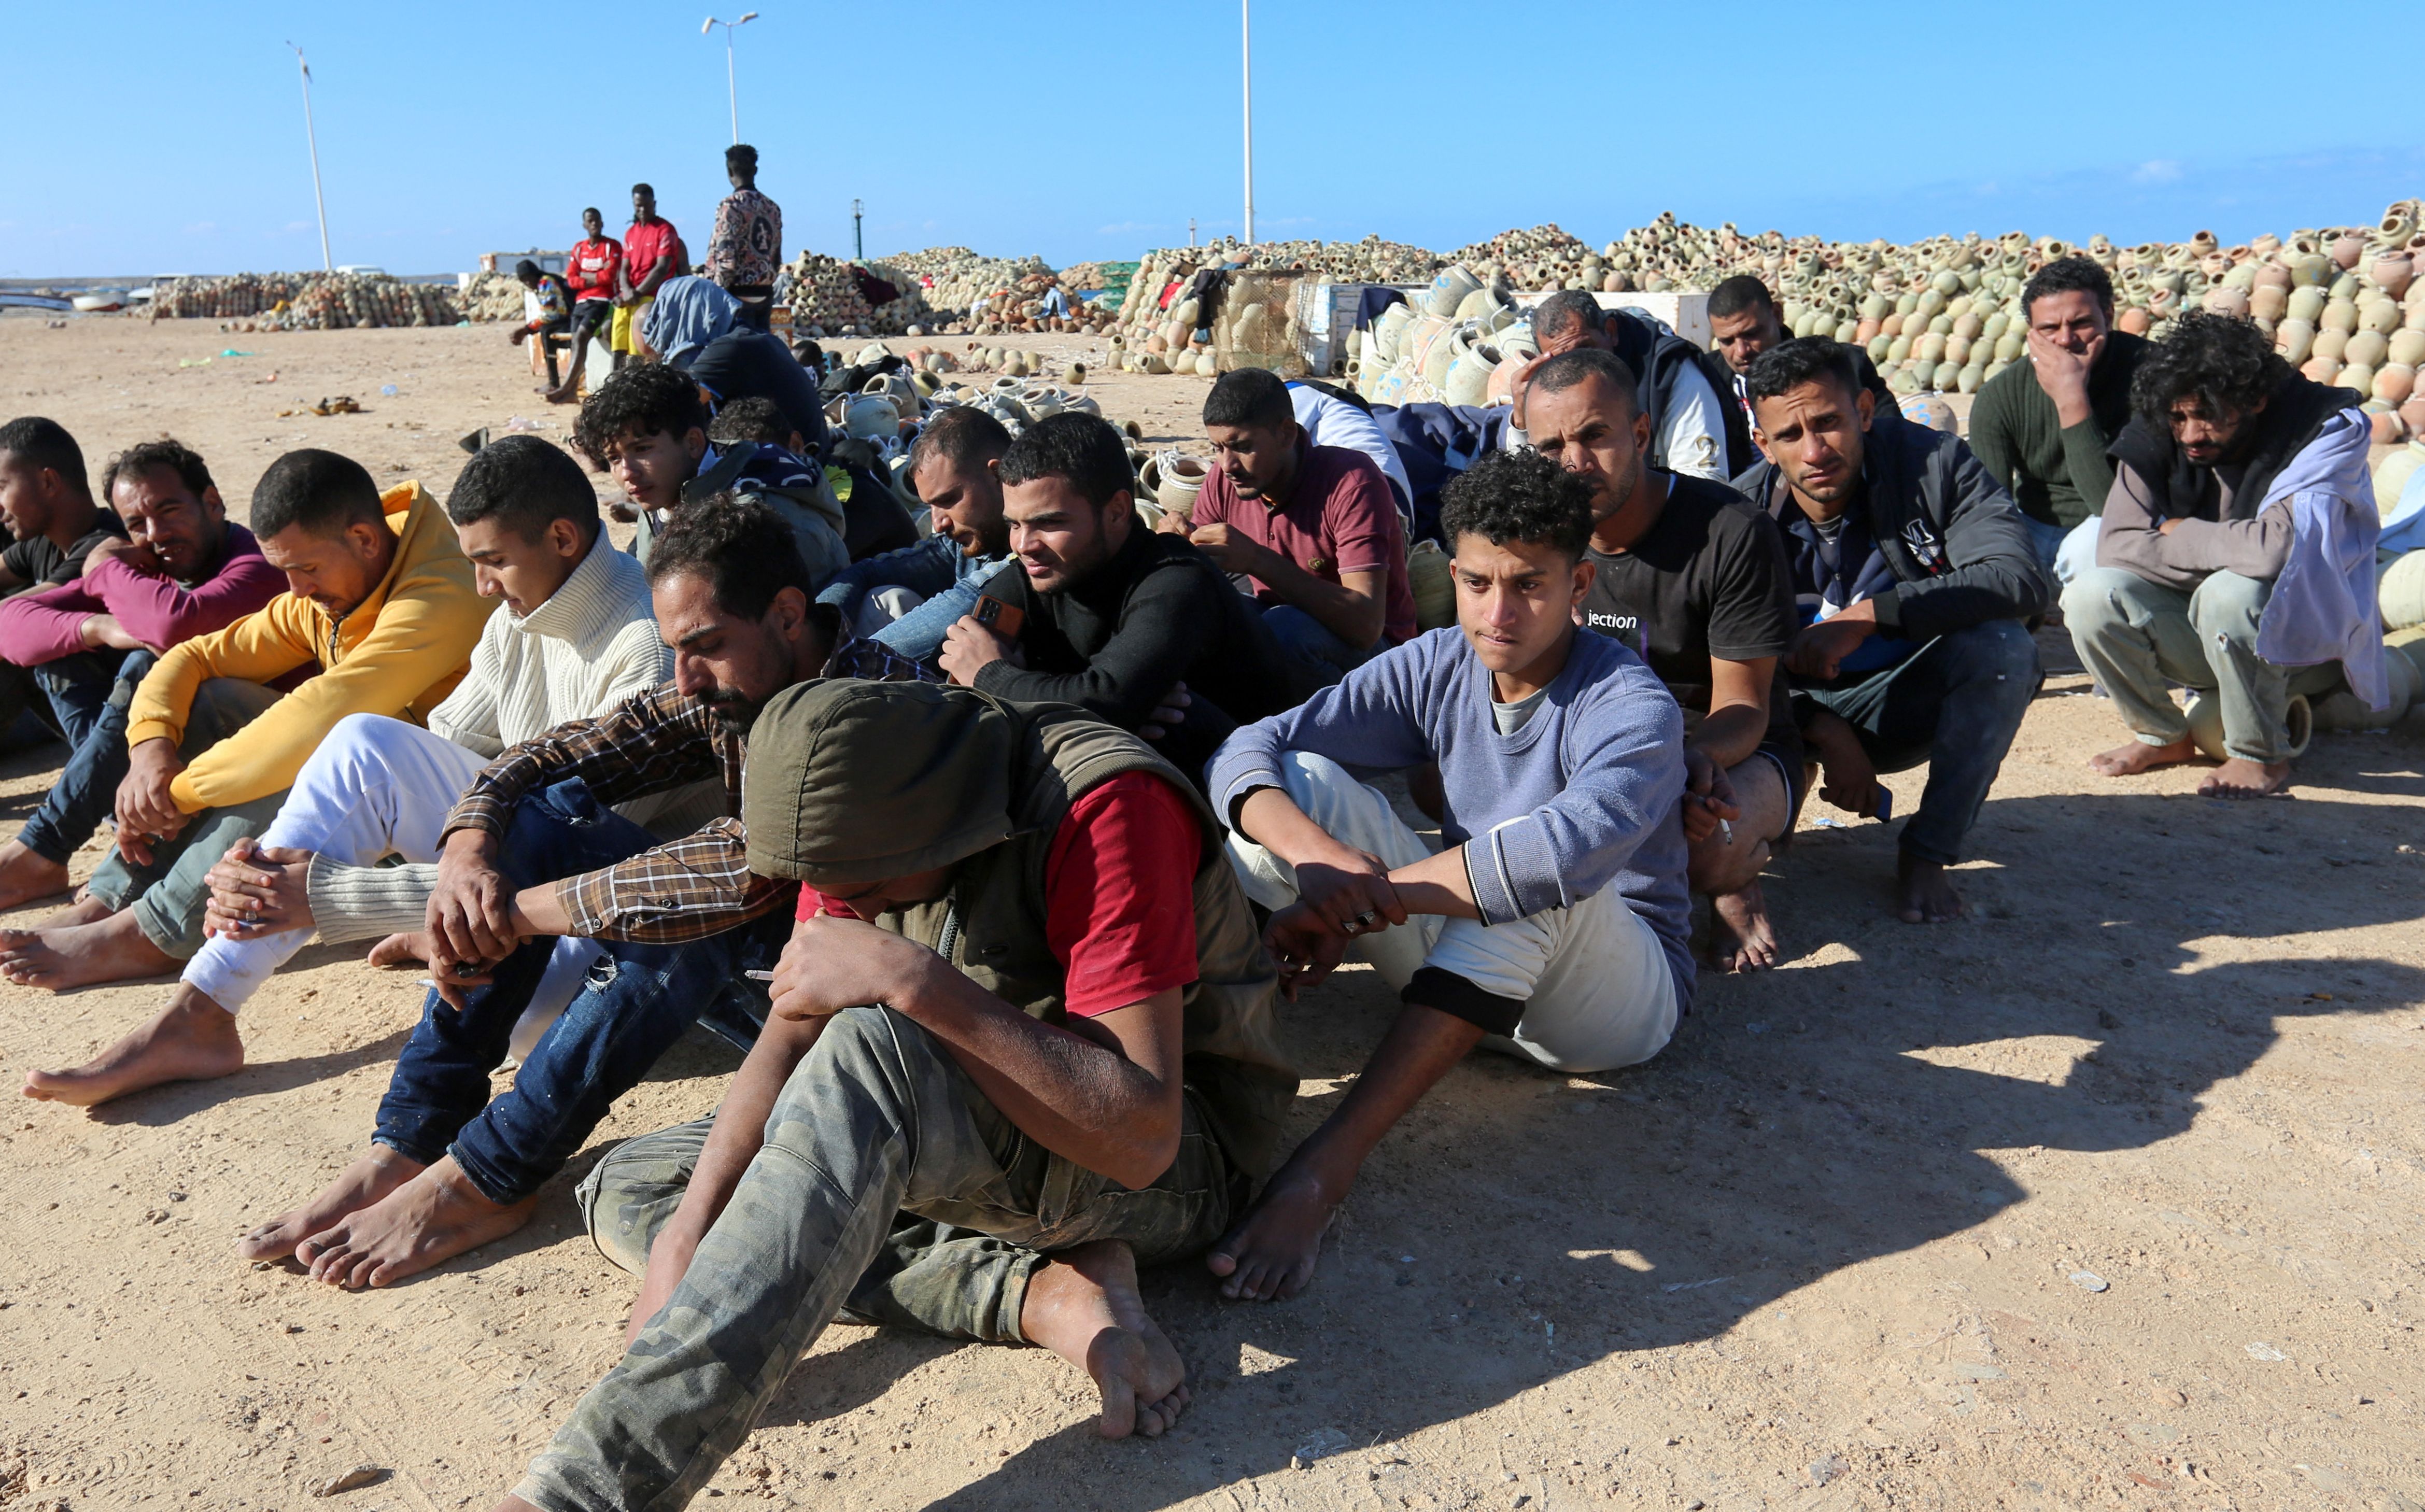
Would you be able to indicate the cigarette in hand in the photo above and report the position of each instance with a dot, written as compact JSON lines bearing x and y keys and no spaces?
{"x":759,"y":977}
{"x":1726,"y":832}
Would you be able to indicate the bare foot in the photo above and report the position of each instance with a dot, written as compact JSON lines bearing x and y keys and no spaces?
{"x":2138,"y":756}
{"x":1747,"y":942}
{"x":400,"y":950}
{"x":193,"y":1040}
{"x":86,"y":908}
{"x":112,"y":949}
{"x":429,"y":1220}
{"x":372,"y":1176}
{"x":1270,"y":1253}
{"x":1926,"y":895}
{"x":2238,"y":779}
{"x":1083,"y":1305}
{"x":27,"y":875}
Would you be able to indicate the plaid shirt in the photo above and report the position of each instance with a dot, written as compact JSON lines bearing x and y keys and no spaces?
{"x":687,"y":889}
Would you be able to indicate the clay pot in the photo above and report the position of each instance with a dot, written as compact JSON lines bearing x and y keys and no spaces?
{"x":2358,"y":375}
{"x":2365,"y":346}
{"x":2311,"y":268}
{"x":1179,"y":478}
{"x":2377,"y":314}
{"x":2306,"y":304}
{"x":2347,"y":249}
{"x":2339,"y":314}
{"x":2406,"y":348}
{"x":2135,"y":320}
{"x":2271,"y":274}
{"x":2295,"y":339}
{"x":2391,"y":474}
{"x":2224,"y":300}
{"x":2330,"y":344}
{"x":2266,"y":302}
{"x":1434,"y":582}
{"x":2393,"y":272}
{"x":2320,"y":369}
{"x":2412,"y":414}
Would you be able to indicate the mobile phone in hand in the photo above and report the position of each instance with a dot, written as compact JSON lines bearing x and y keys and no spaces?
{"x":1004,"y":620}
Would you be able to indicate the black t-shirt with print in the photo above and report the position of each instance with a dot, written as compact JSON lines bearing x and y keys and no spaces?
{"x":40,"y":563}
{"x":1710,"y":579}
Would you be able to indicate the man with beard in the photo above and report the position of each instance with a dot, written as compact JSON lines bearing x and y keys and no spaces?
{"x":909,"y":598}
{"x":532,"y":854}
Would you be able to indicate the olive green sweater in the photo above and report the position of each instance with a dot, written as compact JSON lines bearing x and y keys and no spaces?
{"x":2059,"y":477}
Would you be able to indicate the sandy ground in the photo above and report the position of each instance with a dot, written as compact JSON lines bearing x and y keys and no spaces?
{"x":2104,"y":1198}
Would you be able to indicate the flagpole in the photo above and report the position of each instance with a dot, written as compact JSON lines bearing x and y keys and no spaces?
{"x":312,"y":136}
{"x":1246,"y":76}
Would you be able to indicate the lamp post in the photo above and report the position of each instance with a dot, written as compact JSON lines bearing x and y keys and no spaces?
{"x":312,"y":137}
{"x":732,"y":92}
{"x":1246,"y":78}
{"x":858,"y":238}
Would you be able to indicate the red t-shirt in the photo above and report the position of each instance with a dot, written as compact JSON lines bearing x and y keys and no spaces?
{"x":644,"y":244}
{"x":1341,"y":517}
{"x":589,"y":272}
{"x":1119,"y":895}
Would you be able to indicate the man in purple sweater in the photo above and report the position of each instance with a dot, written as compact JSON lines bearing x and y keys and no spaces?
{"x":183,"y":570}
{"x":1554,"y":924}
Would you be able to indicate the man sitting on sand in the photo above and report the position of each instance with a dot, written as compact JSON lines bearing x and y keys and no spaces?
{"x":1105,"y":614}
{"x":910,"y":598}
{"x":1693,"y":580}
{"x":1313,"y":528}
{"x":186,"y":572}
{"x":1073,"y":1072}
{"x":1913,"y":573}
{"x":46,"y":503}
{"x":2240,"y":523}
{"x":1554,"y":924}
{"x":572,"y":638}
{"x":532,"y":855}
{"x":379,"y":599}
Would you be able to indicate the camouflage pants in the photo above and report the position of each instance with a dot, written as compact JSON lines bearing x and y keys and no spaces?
{"x":888,"y":1184}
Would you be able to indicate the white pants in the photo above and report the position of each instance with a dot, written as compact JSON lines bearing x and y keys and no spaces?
{"x":1594,"y":979}
{"x":376,"y":787}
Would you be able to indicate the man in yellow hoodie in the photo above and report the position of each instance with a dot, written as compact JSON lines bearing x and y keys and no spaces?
{"x":380,"y":614}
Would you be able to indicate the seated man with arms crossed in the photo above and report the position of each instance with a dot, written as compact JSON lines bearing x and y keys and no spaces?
{"x":380,"y":600}
{"x":1313,"y":528}
{"x":909,"y":598}
{"x":184,"y":571}
{"x":1136,"y":626}
{"x":1555,"y":924}
{"x":531,"y":855}
{"x":1693,"y":580}
{"x":571,"y":639}
{"x":1073,"y":1063}
{"x":52,"y":523}
{"x":1915,"y":573}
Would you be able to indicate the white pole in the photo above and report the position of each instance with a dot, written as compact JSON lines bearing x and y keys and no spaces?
{"x":1246,"y":73}
{"x":732,"y":91}
{"x":312,"y":136}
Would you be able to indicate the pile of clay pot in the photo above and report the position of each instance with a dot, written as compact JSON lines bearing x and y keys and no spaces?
{"x":305,"y":302}
{"x":491,"y":296}
{"x":824,"y":298}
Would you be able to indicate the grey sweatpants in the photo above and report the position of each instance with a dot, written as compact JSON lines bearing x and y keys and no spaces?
{"x":877,"y":1121}
{"x":2134,"y":636}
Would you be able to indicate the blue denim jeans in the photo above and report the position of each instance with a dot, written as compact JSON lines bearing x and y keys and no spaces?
{"x":89,"y":695}
{"x":637,"y":1001}
{"x":1955,"y":703}
{"x":1316,"y":658}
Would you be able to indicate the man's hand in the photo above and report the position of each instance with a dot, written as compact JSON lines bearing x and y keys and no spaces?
{"x":1516,"y":388}
{"x":1168,"y":715}
{"x":1350,"y":893}
{"x":830,"y":964}
{"x":137,"y":557}
{"x":145,"y":810}
{"x":1708,"y":796}
{"x":100,"y":629}
{"x":1305,"y":945}
{"x":1231,"y":552}
{"x":1820,"y":648}
{"x":2164,"y":527}
{"x":2063,"y":375}
{"x":1848,"y":778}
{"x":258,"y":888}
{"x":470,"y":919}
{"x":1171,"y":523}
{"x":968,"y":647}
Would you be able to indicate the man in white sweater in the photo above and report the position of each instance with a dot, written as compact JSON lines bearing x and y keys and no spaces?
{"x":573,"y":637}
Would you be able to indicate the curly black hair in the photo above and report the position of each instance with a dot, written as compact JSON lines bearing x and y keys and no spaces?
{"x":2068,"y":275}
{"x":1520,"y":496}
{"x":752,"y":419}
{"x":642,"y":399}
{"x":144,"y":456}
{"x":2225,"y":364}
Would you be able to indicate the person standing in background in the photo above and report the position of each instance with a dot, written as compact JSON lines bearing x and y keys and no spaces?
{"x":747,"y":245}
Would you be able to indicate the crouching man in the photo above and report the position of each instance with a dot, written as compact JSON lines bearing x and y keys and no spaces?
{"x":1021,"y":1041}
{"x":1555,"y":924}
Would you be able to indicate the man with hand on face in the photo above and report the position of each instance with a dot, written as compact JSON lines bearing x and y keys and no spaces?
{"x":1555,"y":925}
{"x":1022,"y":1042}
{"x":534,"y":854}
{"x":909,"y":598}
{"x":2041,"y":427}
{"x":1313,"y":528}
{"x":1744,"y":323}
{"x":380,"y":601}
{"x":572,"y":638}
{"x":1913,"y":575}
{"x":184,"y":572}
{"x":1136,"y":626}
{"x":1693,"y":580}
{"x":2237,"y":555}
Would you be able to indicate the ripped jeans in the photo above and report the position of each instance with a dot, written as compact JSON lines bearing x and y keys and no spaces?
{"x":637,"y":1001}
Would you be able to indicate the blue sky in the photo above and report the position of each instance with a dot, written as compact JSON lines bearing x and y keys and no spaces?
{"x":148,"y":139}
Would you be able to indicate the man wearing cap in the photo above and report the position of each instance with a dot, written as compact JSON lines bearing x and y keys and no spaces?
{"x":1070,"y":1069}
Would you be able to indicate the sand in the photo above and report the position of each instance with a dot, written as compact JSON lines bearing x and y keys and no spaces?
{"x":1840,"y":1246}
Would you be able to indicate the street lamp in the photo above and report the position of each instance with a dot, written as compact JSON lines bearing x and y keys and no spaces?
{"x":1247,"y":109}
{"x":312,"y":136}
{"x":731,"y":92}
